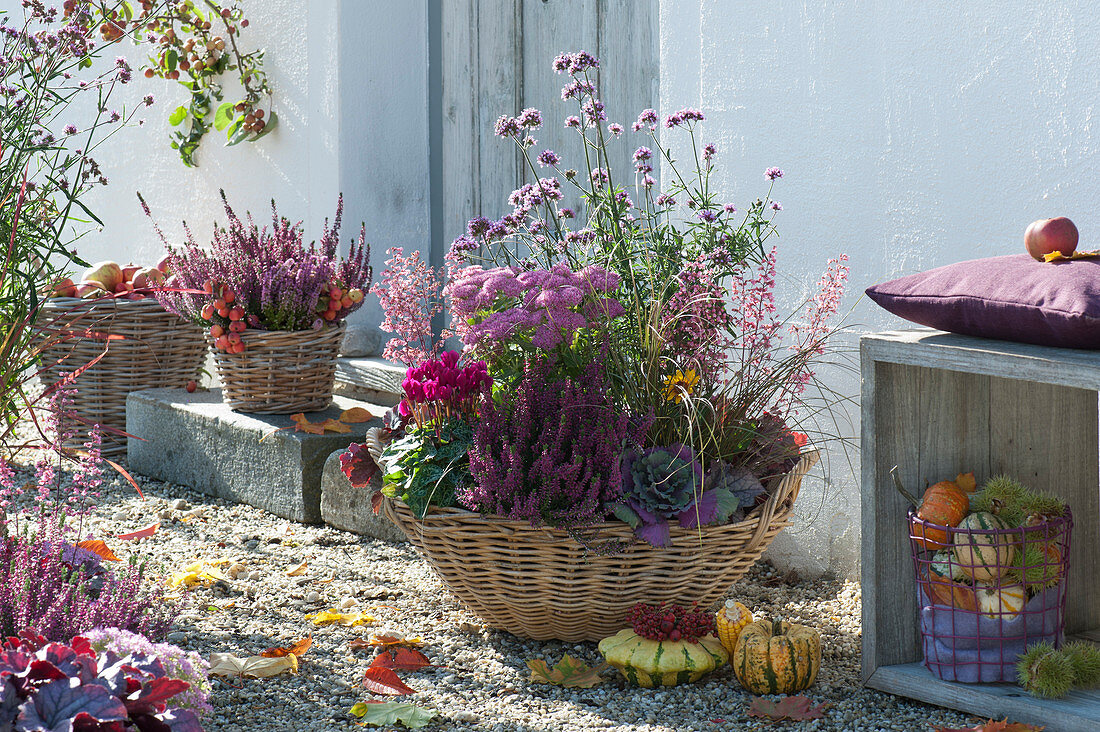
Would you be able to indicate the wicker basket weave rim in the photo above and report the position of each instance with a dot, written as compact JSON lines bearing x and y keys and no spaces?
{"x":76,"y":303}
{"x":291,"y":336}
{"x":758,"y":513}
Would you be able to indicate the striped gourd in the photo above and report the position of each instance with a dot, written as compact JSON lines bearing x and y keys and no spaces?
{"x":983,"y":557}
{"x":1001,"y":602}
{"x":775,"y":657}
{"x":650,"y":663}
{"x":730,"y":621}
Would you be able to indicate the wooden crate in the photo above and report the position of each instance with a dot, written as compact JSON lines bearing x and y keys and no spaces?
{"x":937,"y":404}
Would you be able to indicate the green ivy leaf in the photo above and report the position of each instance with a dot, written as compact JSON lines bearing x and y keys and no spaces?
{"x":223,"y":116}
{"x":382,"y":714}
{"x":177,"y":116}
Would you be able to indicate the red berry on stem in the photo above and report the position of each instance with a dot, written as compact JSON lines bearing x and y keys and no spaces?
{"x":224,"y":312}
{"x":221,"y":343}
{"x":216,"y":331}
{"x":219,"y":303}
{"x":229,"y":296}
{"x":191,"y":386}
{"x":207,"y":311}
{"x":236,"y":314}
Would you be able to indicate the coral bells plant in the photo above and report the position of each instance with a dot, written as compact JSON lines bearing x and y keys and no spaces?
{"x":69,"y":686}
{"x":671,"y":622}
{"x":264,"y":278}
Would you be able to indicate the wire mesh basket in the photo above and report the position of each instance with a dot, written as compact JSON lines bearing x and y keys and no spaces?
{"x":987,"y":594}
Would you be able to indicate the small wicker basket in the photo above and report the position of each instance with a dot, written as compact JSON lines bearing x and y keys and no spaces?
{"x":541,"y":583}
{"x":150,"y":348}
{"x":281,"y":372}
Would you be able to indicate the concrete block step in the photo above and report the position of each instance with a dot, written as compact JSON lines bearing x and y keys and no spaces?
{"x":198,"y":441}
{"x":347,"y":508}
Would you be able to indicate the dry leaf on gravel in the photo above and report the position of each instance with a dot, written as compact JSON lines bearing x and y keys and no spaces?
{"x":794,"y":708}
{"x":257,"y":667}
{"x":993,"y":726}
{"x":98,"y":547}
{"x":395,"y":639}
{"x":400,"y":658}
{"x":140,"y":533}
{"x":332,"y":615}
{"x":298,"y":649}
{"x":387,"y":714}
{"x":297,"y":571}
{"x":385,"y":681}
{"x":200,"y":572}
{"x":568,"y":672}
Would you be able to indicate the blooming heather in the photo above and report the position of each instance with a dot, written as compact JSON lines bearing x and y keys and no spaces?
{"x":551,"y":454}
{"x":271,"y":271}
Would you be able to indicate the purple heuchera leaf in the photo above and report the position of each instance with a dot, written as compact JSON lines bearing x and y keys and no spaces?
{"x":153,"y":694}
{"x":654,"y":534}
{"x":9,"y":704}
{"x":357,"y":464}
{"x":56,"y":706}
{"x":174,"y":720}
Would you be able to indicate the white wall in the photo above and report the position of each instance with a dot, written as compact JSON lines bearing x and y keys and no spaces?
{"x":352,"y":118}
{"x":912,"y":135}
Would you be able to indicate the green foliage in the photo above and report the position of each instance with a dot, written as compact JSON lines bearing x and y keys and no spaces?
{"x":1013,"y":502}
{"x":428,"y":465}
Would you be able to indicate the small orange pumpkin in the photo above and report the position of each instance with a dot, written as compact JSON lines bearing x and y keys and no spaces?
{"x":944,"y":504}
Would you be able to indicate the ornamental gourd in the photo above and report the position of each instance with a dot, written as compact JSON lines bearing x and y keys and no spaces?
{"x":939,"y":578}
{"x":1001,"y":602}
{"x":652,"y":663}
{"x":983,"y":557}
{"x":776,"y":657}
{"x":665,"y":645}
{"x":944,"y":504}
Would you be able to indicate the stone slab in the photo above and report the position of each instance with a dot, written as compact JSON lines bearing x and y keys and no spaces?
{"x":371,"y":379}
{"x":198,"y":441}
{"x":348,"y":508}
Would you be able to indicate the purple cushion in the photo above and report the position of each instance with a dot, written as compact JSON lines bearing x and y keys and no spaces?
{"x":1012,"y":298}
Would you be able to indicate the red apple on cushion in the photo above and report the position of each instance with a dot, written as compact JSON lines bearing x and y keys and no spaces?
{"x":1051,"y":235}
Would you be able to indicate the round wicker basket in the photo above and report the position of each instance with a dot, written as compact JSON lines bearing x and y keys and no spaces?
{"x":543,"y":584}
{"x":149,"y":348}
{"x":281,"y":372}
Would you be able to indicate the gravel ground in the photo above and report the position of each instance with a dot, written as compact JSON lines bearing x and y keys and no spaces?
{"x":481,"y":682}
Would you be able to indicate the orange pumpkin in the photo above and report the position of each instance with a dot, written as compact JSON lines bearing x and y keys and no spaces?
{"x":944,"y":504}
{"x":943,"y":590}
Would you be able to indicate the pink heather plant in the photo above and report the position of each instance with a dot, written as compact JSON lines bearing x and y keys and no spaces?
{"x":409,"y":294}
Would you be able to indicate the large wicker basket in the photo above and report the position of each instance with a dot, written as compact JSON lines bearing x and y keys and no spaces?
{"x":543,"y":584}
{"x":148,"y":348}
{"x":281,"y":372}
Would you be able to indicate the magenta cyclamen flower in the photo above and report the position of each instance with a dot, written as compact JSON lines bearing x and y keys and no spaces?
{"x":438,"y":389}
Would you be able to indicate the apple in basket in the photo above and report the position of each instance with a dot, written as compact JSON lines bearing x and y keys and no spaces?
{"x":107,"y":275}
{"x":1051,"y":235}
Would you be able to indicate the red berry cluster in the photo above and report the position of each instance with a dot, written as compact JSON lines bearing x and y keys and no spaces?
{"x":335,"y":299}
{"x":672,"y":622}
{"x":227,"y":321}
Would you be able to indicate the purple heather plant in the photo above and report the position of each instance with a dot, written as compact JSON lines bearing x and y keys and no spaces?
{"x":52,"y":686}
{"x":551,"y":454}
{"x":279,"y":281}
{"x":47,"y":582}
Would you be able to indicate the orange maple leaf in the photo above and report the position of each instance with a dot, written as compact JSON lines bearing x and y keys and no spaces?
{"x":98,"y":547}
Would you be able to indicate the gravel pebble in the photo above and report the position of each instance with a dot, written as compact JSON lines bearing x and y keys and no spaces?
{"x":480,"y":680}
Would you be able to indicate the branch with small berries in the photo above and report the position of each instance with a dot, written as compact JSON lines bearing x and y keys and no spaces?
{"x":191,"y":50}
